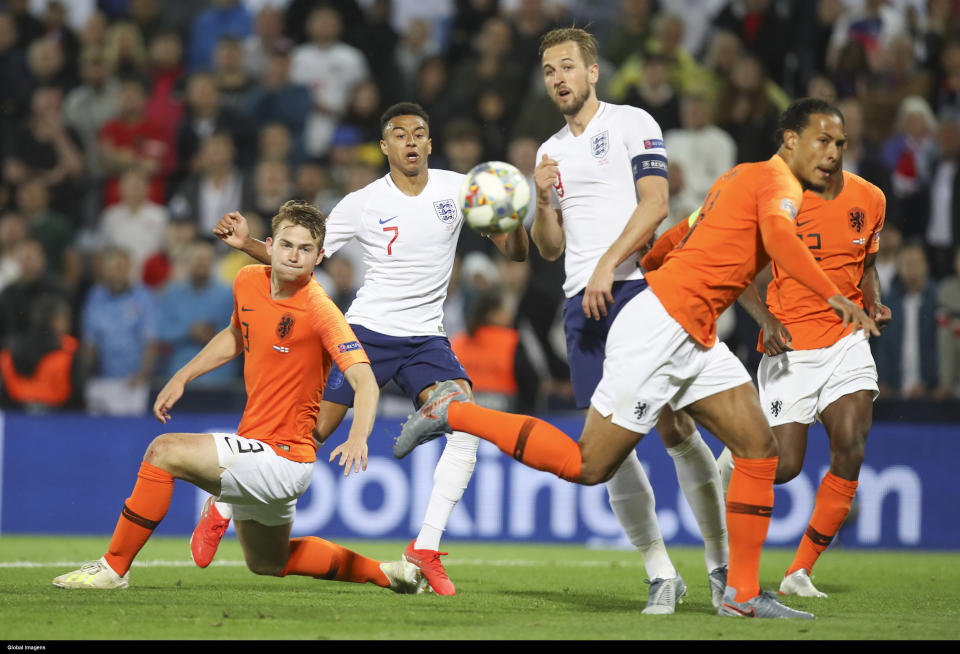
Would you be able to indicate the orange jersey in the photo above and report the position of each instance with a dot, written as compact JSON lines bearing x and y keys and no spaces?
{"x":840,"y":233}
{"x":288,"y":347}
{"x":723,"y":251}
{"x":667,"y":241}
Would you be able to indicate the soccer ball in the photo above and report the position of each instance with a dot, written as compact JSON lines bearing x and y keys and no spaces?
{"x":494,"y":197}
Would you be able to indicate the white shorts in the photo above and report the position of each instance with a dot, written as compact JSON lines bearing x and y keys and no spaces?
{"x":259,"y":483}
{"x":797,"y":386}
{"x":651,"y":360}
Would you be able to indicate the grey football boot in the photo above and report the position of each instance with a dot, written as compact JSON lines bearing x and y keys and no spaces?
{"x":430,"y":421}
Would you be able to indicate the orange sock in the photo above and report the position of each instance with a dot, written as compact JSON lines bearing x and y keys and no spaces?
{"x":315,"y":557}
{"x":831,"y":508}
{"x":142,"y":512}
{"x":749,"y":507}
{"x":530,"y":441}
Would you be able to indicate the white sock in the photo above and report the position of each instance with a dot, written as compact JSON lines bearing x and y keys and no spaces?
{"x":450,"y":479}
{"x":725,"y":464}
{"x":224,"y":509}
{"x":700,"y":482}
{"x":632,"y":501}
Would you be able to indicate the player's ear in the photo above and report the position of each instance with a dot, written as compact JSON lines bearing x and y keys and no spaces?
{"x":593,"y":73}
{"x":790,"y":139}
{"x":383,"y":147}
{"x":429,"y":146}
{"x":319,"y":258}
{"x":269,"y":243}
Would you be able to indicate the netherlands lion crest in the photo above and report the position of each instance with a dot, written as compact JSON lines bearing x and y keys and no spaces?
{"x":857,"y":218}
{"x":285,"y":326}
{"x":600,"y":144}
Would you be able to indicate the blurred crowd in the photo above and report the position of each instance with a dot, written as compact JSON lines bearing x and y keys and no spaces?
{"x":129,"y":127}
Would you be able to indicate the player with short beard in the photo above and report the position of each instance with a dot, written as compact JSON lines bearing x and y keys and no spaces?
{"x":601,"y":174}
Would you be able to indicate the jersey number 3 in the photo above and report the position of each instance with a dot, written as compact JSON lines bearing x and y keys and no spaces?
{"x":396,"y":233}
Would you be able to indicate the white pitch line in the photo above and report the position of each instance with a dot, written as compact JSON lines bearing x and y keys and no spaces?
{"x":504,"y":563}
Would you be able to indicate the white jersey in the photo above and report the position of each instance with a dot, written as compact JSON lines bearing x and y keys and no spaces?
{"x":408,"y":247}
{"x":596,"y":191}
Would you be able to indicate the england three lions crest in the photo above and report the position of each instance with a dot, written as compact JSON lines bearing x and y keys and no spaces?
{"x":600,"y":144}
{"x":446,"y":211}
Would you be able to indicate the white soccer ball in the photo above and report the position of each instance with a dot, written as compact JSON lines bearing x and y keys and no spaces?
{"x":494,"y":197}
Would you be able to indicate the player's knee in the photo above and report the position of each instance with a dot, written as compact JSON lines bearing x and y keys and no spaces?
{"x":159,"y":451}
{"x":846,"y":457}
{"x":591,"y":475}
{"x":788,"y":467}
{"x":265,"y":568}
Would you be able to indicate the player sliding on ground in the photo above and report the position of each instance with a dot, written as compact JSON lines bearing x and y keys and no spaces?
{"x":290,"y":333}
{"x":662,"y":349}
{"x":408,"y":223}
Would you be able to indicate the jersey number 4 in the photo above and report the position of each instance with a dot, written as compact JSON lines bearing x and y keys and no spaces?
{"x":396,"y":233}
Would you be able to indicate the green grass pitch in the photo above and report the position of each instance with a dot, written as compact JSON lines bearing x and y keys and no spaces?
{"x":505,"y":591}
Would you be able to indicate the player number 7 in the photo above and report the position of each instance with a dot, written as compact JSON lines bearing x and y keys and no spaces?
{"x":396,"y":233}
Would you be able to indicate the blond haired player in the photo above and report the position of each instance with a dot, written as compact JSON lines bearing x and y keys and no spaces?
{"x":663,"y":349}
{"x":284,"y":324}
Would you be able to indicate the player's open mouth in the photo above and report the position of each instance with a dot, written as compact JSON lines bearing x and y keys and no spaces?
{"x":413,"y":156}
{"x":562,"y":93}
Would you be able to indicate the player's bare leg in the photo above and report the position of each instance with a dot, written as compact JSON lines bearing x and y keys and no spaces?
{"x":329,"y":417}
{"x":191,"y":457}
{"x":450,"y":479}
{"x":269,"y":550}
{"x":792,"y":447}
{"x":699,"y":481}
{"x":847,"y":421}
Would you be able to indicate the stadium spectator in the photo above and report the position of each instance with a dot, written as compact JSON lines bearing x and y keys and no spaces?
{"x":131,"y":140}
{"x":272,"y":187}
{"x":221,"y":18}
{"x":749,"y":106}
{"x":432,"y":90}
{"x":654,"y":93}
{"x":414,"y":48}
{"x":89,"y":106}
{"x":943,"y":229}
{"x":203,"y":115}
{"x":125,"y":49}
{"x":906,"y":352}
{"x":13,"y":70}
{"x":946,"y":96}
{"x":529,"y":21}
{"x":886,"y":265}
{"x":39,"y":369}
{"x":630,"y":34}
{"x":872,"y":24}
{"x":762,"y":32}
{"x":314,"y":185}
{"x":331,"y":69}
{"x":147,"y":18}
{"x":28,"y":26}
{"x":277,"y":99}
{"x":230,"y":70}
{"x":470,"y":17}
{"x":896,"y":75}
{"x":192,"y":311}
{"x":48,"y":67}
{"x":267,"y":38}
{"x":490,"y":63}
{"x":119,"y":326}
{"x":35,"y":281}
{"x":166,"y":72}
{"x":909,"y":156}
{"x":948,"y":334}
{"x":45,"y":148}
{"x":135,"y":224}
{"x":343,"y":288}
{"x":276,"y":144}
{"x":217,"y":188}
{"x":699,"y":152}
{"x":47,"y":226}
{"x":862,"y":155}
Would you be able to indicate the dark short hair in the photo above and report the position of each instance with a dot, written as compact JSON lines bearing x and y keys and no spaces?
{"x":796,"y":117}
{"x":403,"y":109}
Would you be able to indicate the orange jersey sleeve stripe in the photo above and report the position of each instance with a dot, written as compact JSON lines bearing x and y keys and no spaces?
{"x":839,"y":233}
{"x":667,"y":241}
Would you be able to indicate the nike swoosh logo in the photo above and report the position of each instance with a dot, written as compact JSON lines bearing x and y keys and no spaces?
{"x":382,"y":221}
{"x":801,"y":224}
{"x":747,"y":614}
{"x":246,"y":309}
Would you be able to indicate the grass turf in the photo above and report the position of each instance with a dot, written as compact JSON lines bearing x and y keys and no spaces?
{"x":505,"y":591}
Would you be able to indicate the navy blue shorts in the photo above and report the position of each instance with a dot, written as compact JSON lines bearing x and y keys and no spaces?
{"x":412,"y":362}
{"x":587,"y":338}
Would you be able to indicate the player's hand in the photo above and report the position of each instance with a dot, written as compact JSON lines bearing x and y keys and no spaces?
{"x":353,"y":456}
{"x":233,"y":230}
{"x":167,"y":397}
{"x":851,"y":314}
{"x":545,"y":177}
{"x":776,"y":337}
{"x":599,"y":291}
{"x":881,"y":315}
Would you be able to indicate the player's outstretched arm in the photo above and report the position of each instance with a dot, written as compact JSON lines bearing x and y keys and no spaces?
{"x":776,"y":337}
{"x":650,"y":212}
{"x":870,"y":286}
{"x":223,"y":347}
{"x":547,"y":229}
{"x":233,"y":230}
{"x":353,"y":452}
